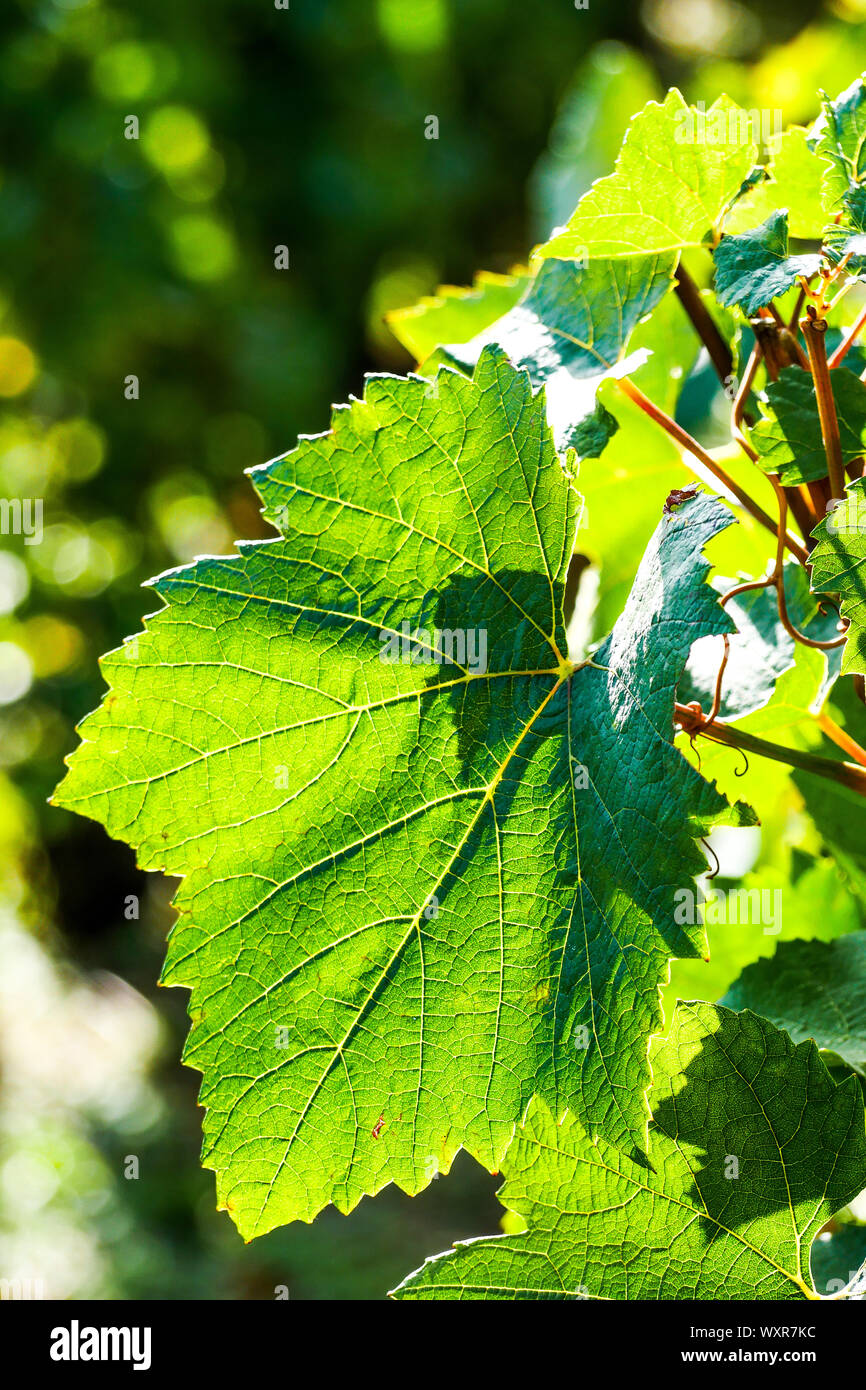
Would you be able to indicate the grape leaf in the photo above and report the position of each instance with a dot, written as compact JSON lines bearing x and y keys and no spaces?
{"x":399,"y":914}
{"x":754,"y":267}
{"x":788,"y":437}
{"x":838,"y":135}
{"x":676,"y":175}
{"x":726,"y":1086}
{"x":812,"y":989}
{"x":569,"y":331}
{"x":846,"y":239}
{"x":837,"y":566}
{"x":454,"y":314}
{"x":794,"y":181}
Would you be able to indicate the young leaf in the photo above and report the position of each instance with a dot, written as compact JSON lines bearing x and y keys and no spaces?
{"x":846,"y":239}
{"x":812,"y":989}
{"x":794,"y":181}
{"x":788,"y":438}
{"x":413,"y":888}
{"x":838,"y":135}
{"x":838,"y":566}
{"x":752,"y":1149}
{"x":456,"y":315}
{"x":676,"y":175}
{"x":754,"y":267}
{"x":570,"y":331}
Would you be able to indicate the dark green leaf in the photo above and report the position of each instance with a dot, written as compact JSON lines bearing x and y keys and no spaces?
{"x":570,"y":331}
{"x":754,"y":267}
{"x":788,"y":438}
{"x":812,"y":989}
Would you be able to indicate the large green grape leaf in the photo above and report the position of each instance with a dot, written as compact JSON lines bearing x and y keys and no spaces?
{"x":454,"y":314}
{"x":788,"y":438}
{"x":678,"y":172}
{"x":416,"y":890}
{"x":755,"y":266}
{"x":794,"y":181}
{"x":812,"y":989}
{"x":569,"y":331}
{"x":838,"y":567}
{"x":753,"y":1148}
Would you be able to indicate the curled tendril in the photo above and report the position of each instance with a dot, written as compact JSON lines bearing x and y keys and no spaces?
{"x":708,"y":847}
{"x":695,"y":749}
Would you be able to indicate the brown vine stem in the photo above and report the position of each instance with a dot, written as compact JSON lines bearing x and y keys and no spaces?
{"x":840,"y":738}
{"x":779,"y":581}
{"x":850,"y":775}
{"x":798,"y":308}
{"x":848,"y":342}
{"x":819,"y":496}
{"x":739,"y":406}
{"x":704,"y":325}
{"x":814,"y":330}
{"x":685,"y":440}
{"x":732,"y":593}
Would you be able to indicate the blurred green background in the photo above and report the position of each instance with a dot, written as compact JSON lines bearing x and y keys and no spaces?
{"x":154,"y":258}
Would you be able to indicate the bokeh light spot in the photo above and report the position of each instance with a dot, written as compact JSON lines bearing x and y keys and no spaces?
{"x":174,"y":139}
{"x":17,"y":366}
{"x":202,"y":248}
{"x":417,"y":28}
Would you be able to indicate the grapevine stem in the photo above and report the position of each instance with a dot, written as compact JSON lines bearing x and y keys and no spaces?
{"x":840,"y":738}
{"x":685,"y":440}
{"x":813,"y":331}
{"x":779,"y":581}
{"x":704,"y":325}
{"x":847,"y":343}
{"x":847,"y":774}
{"x":739,"y":406}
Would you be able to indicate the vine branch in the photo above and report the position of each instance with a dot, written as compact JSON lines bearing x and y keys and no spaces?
{"x":685,"y":440}
{"x":693,"y":722}
{"x":705,"y":326}
{"x":814,"y":329}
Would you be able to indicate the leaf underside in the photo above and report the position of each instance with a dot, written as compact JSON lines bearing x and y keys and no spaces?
{"x":812,"y":989}
{"x":752,"y":1149}
{"x":415,"y":892}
